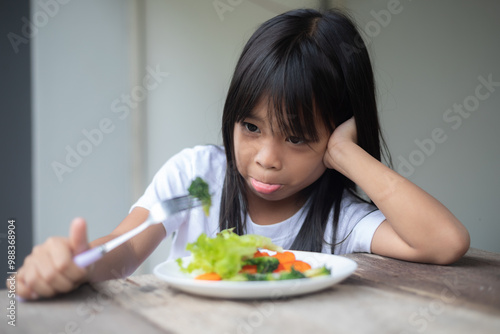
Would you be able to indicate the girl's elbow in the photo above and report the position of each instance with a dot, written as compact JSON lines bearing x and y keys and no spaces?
{"x":453,"y":248}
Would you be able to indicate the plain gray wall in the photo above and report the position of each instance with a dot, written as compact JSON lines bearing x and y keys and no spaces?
{"x":81,"y":64}
{"x":427,"y":58}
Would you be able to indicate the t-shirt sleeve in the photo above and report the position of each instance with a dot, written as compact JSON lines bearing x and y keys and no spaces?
{"x":174,"y":178}
{"x":358,"y":221}
{"x":363,"y":232}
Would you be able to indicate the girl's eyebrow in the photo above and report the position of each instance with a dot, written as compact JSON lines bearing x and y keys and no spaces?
{"x":253,"y":117}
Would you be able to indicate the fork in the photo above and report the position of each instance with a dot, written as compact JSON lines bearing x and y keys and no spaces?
{"x":158,"y":213}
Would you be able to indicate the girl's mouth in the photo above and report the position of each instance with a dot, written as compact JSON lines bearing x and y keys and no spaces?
{"x":264,"y":188}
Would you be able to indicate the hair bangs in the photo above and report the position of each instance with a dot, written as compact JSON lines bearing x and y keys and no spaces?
{"x":291,"y":99}
{"x":299,"y":91}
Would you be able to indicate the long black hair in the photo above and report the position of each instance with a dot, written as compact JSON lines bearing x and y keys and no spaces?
{"x":305,"y":62}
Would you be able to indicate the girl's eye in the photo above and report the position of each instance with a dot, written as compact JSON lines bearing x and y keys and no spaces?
{"x":250,"y":127}
{"x":295,"y":140}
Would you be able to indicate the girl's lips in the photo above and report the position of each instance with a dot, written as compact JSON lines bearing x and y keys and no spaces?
{"x":264,"y":188}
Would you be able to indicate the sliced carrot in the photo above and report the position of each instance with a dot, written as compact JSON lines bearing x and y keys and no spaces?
{"x":209,"y":277}
{"x":280,"y":268}
{"x":297,"y":265}
{"x":260,"y":254}
{"x":285,"y":257}
{"x":249,"y":269}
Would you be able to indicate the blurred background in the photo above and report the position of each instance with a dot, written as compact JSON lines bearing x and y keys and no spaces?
{"x":99,"y":94}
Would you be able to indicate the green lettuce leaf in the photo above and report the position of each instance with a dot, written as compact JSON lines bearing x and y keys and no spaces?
{"x":225,"y":253}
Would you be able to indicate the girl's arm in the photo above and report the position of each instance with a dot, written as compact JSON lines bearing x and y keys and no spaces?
{"x":126,"y":258}
{"x":50,"y":270}
{"x":417,"y":227}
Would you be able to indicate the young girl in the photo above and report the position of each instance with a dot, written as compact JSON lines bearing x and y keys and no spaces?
{"x":301,"y":133}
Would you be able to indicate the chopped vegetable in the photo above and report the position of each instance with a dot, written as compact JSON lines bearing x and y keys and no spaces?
{"x":209,"y":277}
{"x":260,"y":254}
{"x":292,"y":274}
{"x":315,"y":272}
{"x":199,"y":190}
{"x":249,"y":269}
{"x":297,"y":265}
{"x":225,"y":253}
{"x":264,"y":264}
{"x":280,"y":268}
{"x":229,"y":256}
{"x":260,"y":277}
{"x":285,"y":257}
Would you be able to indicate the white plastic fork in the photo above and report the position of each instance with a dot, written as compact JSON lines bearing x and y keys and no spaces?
{"x":158,"y":213}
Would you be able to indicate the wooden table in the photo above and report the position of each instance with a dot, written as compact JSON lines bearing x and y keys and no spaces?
{"x":382,"y":296}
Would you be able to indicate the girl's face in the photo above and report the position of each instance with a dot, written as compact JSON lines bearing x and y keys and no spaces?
{"x":276,"y":167}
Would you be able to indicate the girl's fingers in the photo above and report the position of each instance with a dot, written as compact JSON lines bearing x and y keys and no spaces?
{"x":63,"y":263}
{"x":54,"y":276}
{"x":61,"y":273}
{"x":78,"y":235}
{"x":32,"y":278}
{"x":22,"y":290}
{"x":49,"y":269}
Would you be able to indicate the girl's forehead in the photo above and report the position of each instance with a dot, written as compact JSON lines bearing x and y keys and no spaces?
{"x":266,"y":111}
{"x":263,"y":110}
{"x":272,"y":108}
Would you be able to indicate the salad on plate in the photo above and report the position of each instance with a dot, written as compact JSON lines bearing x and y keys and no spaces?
{"x":250,"y":257}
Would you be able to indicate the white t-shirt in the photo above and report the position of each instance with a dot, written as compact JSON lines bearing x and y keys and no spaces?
{"x":357,"y":220}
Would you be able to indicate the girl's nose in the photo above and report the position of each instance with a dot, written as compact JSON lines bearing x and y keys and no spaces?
{"x":269,"y":155}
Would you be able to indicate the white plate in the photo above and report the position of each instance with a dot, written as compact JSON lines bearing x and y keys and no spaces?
{"x":341,"y":268}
